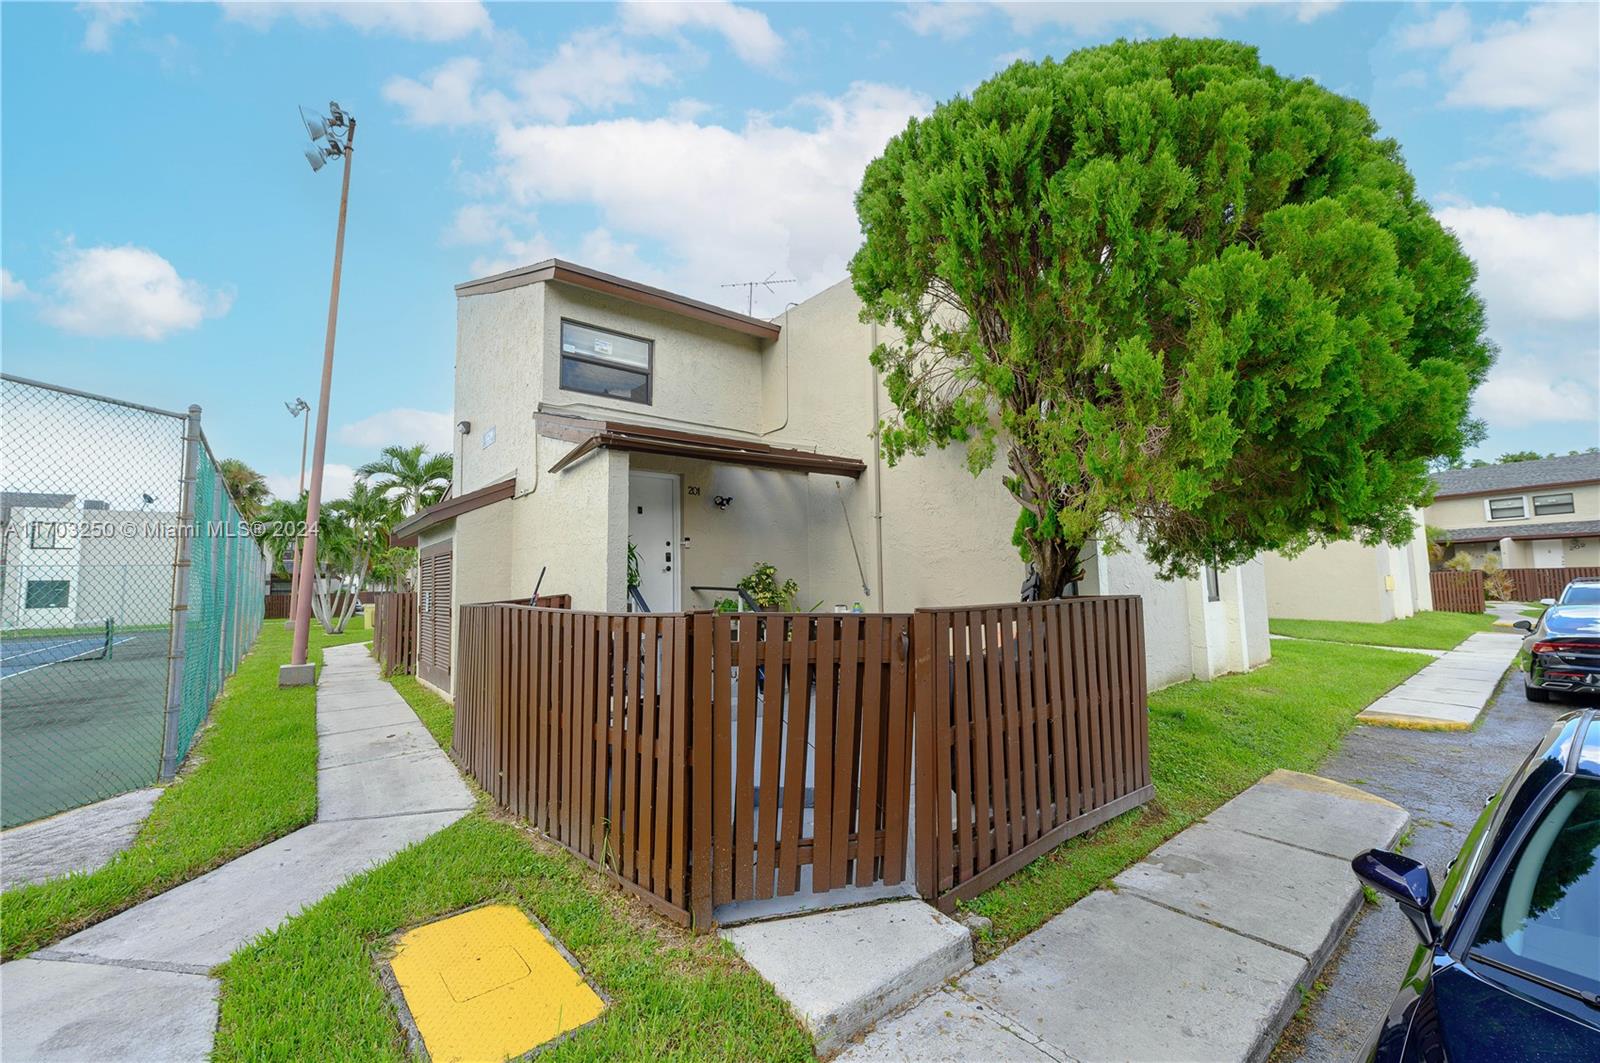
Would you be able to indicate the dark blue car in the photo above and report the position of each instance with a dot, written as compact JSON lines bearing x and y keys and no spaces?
{"x":1509,"y":967}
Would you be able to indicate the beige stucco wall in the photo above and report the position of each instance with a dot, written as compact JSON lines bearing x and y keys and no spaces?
{"x":1471,"y":511}
{"x":923,"y":533}
{"x":1349,"y":581}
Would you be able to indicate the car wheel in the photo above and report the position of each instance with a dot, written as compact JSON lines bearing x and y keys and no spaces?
{"x":1534,"y":693}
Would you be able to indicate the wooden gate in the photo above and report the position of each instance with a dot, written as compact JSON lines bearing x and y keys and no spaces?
{"x":434,"y":611}
{"x":802,"y":751}
{"x":1457,"y":592}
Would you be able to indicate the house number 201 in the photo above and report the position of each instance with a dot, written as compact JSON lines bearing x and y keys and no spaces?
{"x":694,"y":491}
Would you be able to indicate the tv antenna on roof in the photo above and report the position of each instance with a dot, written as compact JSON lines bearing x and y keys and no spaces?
{"x":751,"y":286}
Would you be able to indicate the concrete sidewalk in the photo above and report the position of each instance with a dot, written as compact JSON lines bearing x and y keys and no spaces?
{"x":1449,"y":694}
{"x":82,"y":839}
{"x":136,"y":986}
{"x":1199,"y":952}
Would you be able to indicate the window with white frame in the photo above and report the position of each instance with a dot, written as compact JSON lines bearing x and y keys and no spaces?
{"x":1550,"y":505}
{"x":599,"y":362}
{"x":1508,"y":508}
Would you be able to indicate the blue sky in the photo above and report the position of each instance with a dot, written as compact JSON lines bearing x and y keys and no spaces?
{"x":164,"y":240}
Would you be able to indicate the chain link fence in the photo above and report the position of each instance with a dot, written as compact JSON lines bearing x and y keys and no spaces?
{"x":129,"y":589}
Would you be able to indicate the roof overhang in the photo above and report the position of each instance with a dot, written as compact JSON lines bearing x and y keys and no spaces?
{"x":405,"y":533}
{"x":1494,"y":535}
{"x":1479,"y":492}
{"x":554,"y":269}
{"x":592,"y":435}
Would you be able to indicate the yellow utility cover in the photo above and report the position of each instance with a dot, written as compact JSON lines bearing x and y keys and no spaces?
{"x":487,"y":985}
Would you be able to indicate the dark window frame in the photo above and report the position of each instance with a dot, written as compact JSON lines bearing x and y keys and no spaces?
{"x":649,"y":371}
{"x":1521,"y":514}
{"x":54,"y":527}
{"x":1571,"y":503}
{"x":1213,"y":581}
{"x":27,"y":594}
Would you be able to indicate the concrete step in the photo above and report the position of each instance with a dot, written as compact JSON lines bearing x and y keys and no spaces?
{"x":842,"y":971}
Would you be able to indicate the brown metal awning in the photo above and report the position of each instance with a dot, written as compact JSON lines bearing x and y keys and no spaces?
{"x":405,"y":533}
{"x":591,"y":435}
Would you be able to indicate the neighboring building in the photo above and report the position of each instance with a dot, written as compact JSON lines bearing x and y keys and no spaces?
{"x":594,"y":412}
{"x":67,"y":566}
{"x":1349,"y":581}
{"x":1533,"y":514}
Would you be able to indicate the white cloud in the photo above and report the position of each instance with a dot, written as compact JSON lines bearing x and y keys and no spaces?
{"x":1532,"y":268}
{"x":336,"y":482}
{"x":747,"y":31}
{"x":404,"y":427}
{"x":1545,"y":67}
{"x":952,"y":20}
{"x":449,"y":97}
{"x":102,"y":19}
{"x":12,"y":288}
{"x":734,"y":203}
{"x":590,"y":71}
{"x":1521,"y":392}
{"x":127,"y":291}
{"x":436,"y":20}
{"x":1539,"y":275}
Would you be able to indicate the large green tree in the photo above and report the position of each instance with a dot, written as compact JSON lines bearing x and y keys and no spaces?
{"x":1184,"y":296}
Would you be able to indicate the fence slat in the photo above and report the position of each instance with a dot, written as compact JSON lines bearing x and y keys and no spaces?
{"x":771,"y":750}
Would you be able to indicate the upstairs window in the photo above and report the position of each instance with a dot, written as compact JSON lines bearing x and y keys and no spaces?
{"x":1509,"y":508}
{"x":598,"y":362}
{"x":1548,"y":505}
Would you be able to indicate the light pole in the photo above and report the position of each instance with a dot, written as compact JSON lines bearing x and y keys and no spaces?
{"x":326,"y":143}
{"x":296,"y":408}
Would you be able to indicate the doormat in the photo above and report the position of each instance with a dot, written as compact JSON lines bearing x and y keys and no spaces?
{"x":489,"y":984}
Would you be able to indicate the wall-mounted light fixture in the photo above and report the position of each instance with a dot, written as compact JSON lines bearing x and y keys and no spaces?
{"x":464,"y":427}
{"x":722,"y":501}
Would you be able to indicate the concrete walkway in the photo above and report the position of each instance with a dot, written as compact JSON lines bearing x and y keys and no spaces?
{"x":1449,"y":694}
{"x":137,"y":986}
{"x":84,"y":839}
{"x":1199,"y":952}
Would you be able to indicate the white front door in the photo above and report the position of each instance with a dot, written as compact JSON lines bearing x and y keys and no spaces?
{"x":653,"y":531}
{"x":1549,"y":553}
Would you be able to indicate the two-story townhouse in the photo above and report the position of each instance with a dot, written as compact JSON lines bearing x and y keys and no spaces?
{"x":593,"y":412}
{"x":1533,"y":514}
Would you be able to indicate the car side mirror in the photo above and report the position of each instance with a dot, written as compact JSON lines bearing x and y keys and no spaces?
{"x":1547,"y":601}
{"x":1404,"y":880}
{"x":1523,"y":625}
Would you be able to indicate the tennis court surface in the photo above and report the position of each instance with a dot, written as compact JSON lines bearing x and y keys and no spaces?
{"x":81,"y":717}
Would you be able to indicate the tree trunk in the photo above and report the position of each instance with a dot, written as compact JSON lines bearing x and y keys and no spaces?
{"x":1057,"y":564}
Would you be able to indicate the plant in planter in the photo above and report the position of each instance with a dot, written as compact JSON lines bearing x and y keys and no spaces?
{"x":633,"y":564}
{"x":764,"y":589}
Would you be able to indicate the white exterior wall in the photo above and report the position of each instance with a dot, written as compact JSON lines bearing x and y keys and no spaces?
{"x":924,"y":533}
{"x":1349,"y":581}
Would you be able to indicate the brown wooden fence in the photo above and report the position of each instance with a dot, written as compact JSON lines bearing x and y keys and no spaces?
{"x":277,"y":606}
{"x":394,"y":631}
{"x":579,"y":722}
{"x":1457,"y":592}
{"x":704,"y":759}
{"x":801,"y":752}
{"x":1534,"y":584}
{"x":1036,"y":730}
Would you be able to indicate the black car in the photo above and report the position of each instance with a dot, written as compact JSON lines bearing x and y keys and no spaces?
{"x":1509,"y":966}
{"x":1561,"y":651}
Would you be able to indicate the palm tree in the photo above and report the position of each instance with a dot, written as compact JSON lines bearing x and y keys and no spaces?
{"x":351,"y":534}
{"x":410,"y":475}
{"x":248,"y":488}
{"x":280,"y":522}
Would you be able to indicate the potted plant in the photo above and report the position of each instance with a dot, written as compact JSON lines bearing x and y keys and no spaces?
{"x":764,"y":589}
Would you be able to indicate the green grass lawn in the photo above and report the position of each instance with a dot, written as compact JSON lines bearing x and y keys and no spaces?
{"x":254,"y":779}
{"x":312,"y":989}
{"x":1425,"y":631}
{"x":434,"y":712}
{"x":1208,"y":742}
{"x":1535,"y":611}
